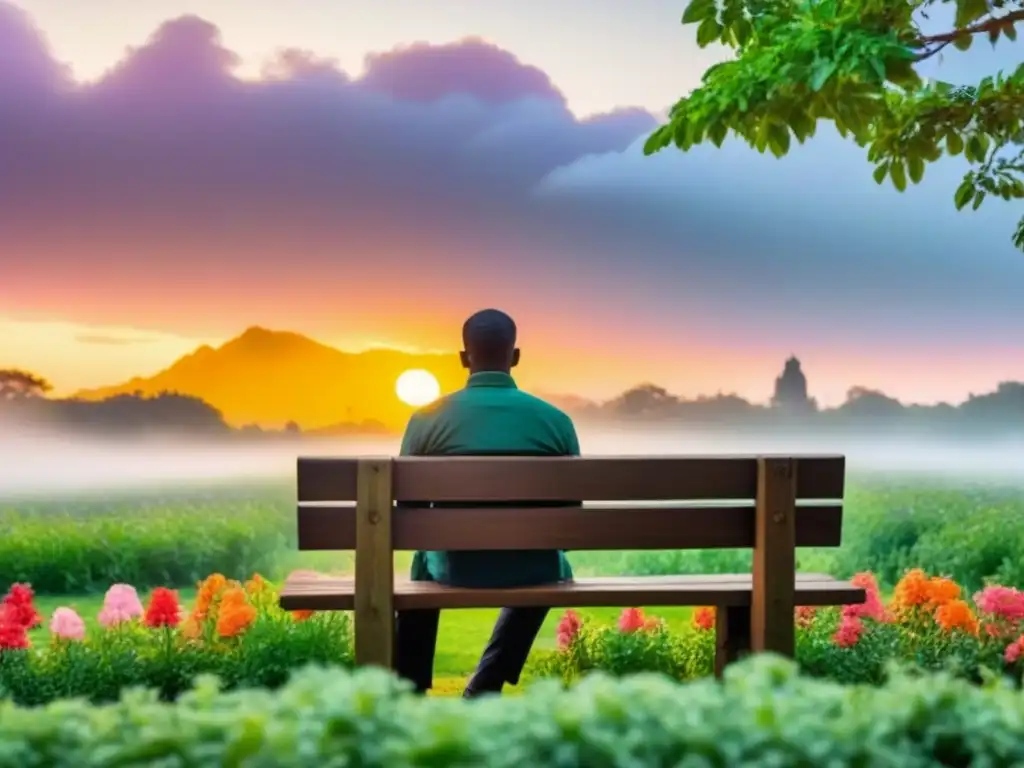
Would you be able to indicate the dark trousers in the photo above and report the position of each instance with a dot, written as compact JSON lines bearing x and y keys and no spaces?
{"x":502,"y":661}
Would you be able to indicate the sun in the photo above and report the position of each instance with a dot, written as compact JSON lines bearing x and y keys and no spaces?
{"x":417,"y":387}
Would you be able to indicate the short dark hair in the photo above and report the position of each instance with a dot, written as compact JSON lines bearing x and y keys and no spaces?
{"x":489,"y":337}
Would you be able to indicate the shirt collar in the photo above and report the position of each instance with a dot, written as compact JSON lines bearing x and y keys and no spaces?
{"x":491,"y":379}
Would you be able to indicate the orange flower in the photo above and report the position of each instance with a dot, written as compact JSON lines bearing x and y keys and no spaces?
{"x":704,"y":618}
{"x":805,"y":615}
{"x":191,"y":629}
{"x":163,"y":610}
{"x":235,"y":614}
{"x":956,"y":615}
{"x":917,"y":590}
{"x":942,"y":591}
{"x":256,"y":585}
{"x":209,"y":589}
{"x":912,"y":590}
{"x":302,"y":615}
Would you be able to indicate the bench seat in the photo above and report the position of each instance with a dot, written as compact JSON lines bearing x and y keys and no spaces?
{"x":331,"y":593}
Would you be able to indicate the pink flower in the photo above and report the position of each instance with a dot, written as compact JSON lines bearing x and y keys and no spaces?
{"x":849,"y":632}
{"x":121,"y":603}
{"x":632,"y":619}
{"x":568,"y":629}
{"x":1004,"y":602}
{"x":1014,"y":650}
{"x":67,"y":624}
{"x":872,"y":607}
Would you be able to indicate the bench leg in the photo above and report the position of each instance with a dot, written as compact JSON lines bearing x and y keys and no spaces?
{"x":732,"y":635}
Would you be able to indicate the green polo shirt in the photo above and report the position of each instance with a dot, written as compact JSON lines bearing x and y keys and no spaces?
{"x":491,"y":416}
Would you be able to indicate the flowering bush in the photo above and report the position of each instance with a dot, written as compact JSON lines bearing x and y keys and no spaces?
{"x":236,"y":631}
{"x":928,"y":625}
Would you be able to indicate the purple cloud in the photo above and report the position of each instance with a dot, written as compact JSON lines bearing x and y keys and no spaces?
{"x":441,"y":171}
{"x":170,"y":169}
{"x":425,"y":73}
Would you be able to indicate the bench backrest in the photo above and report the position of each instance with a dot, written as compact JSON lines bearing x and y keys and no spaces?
{"x":629,"y":503}
{"x":704,"y":502}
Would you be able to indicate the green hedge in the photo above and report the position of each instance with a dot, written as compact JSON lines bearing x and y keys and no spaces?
{"x":764,"y":714}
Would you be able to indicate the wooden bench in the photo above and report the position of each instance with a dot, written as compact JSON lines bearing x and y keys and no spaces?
{"x":769,"y":504}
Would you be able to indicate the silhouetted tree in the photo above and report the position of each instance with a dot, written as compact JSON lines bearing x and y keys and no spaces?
{"x":645,"y":400}
{"x":16,"y":384}
{"x":865,"y":403}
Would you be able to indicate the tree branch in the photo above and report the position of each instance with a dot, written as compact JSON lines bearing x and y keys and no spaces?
{"x":941,"y":41}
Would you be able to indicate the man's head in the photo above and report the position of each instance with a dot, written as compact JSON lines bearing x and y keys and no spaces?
{"x":489,"y":342}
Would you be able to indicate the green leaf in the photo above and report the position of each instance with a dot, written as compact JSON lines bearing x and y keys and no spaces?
{"x":968,"y":11}
{"x":915,"y":166}
{"x":823,"y":70}
{"x":778,"y":139}
{"x":979,"y":198}
{"x":698,"y":10}
{"x":963,"y":193}
{"x":708,"y":32}
{"x":954,"y":143}
{"x":717,"y":132}
{"x":881,"y":172}
{"x":963,"y":43}
{"x":898,"y":173}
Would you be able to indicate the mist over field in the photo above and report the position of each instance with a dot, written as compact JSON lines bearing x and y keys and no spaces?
{"x":51,"y":464}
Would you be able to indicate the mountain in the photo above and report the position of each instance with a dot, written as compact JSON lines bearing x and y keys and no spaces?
{"x":270,"y":377}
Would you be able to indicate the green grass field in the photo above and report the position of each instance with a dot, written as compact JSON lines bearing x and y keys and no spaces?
{"x":72,"y":549}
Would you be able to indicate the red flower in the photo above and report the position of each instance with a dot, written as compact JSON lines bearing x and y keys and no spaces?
{"x":13,"y":633}
{"x":163,"y":609}
{"x":632,"y":619}
{"x":19,"y":602}
{"x":704,"y":618}
{"x":849,"y":632}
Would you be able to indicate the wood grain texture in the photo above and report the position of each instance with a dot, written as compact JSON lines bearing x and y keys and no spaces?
{"x":572,"y":528}
{"x":526,"y":479}
{"x":374,"y":568}
{"x":327,"y":593}
{"x":773,"y":601}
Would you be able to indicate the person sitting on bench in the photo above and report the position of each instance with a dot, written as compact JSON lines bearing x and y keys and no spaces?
{"x":490,"y":416}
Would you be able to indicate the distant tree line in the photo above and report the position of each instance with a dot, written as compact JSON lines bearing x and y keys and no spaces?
{"x":23,"y":400}
{"x":791,"y":404}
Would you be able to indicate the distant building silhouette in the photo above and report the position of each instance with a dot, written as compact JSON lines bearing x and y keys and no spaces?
{"x":791,"y":389}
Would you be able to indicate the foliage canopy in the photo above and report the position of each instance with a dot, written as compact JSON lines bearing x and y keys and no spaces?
{"x":852,"y":62}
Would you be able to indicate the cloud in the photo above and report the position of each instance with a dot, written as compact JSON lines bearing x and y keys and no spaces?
{"x":171,"y":170}
{"x":172,"y":193}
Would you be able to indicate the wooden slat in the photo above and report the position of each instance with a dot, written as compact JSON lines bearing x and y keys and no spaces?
{"x":634,"y":478}
{"x":772,"y":600}
{"x":573,"y":528}
{"x":333,"y":594}
{"x":321,"y":479}
{"x":373,"y":599}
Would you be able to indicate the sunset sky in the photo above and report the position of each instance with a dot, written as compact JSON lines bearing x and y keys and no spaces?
{"x":168,"y":180}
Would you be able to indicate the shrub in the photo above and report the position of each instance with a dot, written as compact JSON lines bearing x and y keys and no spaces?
{"x":235,"y":631}
{"x":927,"y":626}
{"x":762,"y":714}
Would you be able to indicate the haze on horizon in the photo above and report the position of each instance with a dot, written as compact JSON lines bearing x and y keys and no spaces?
{"x":53,"y":466}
